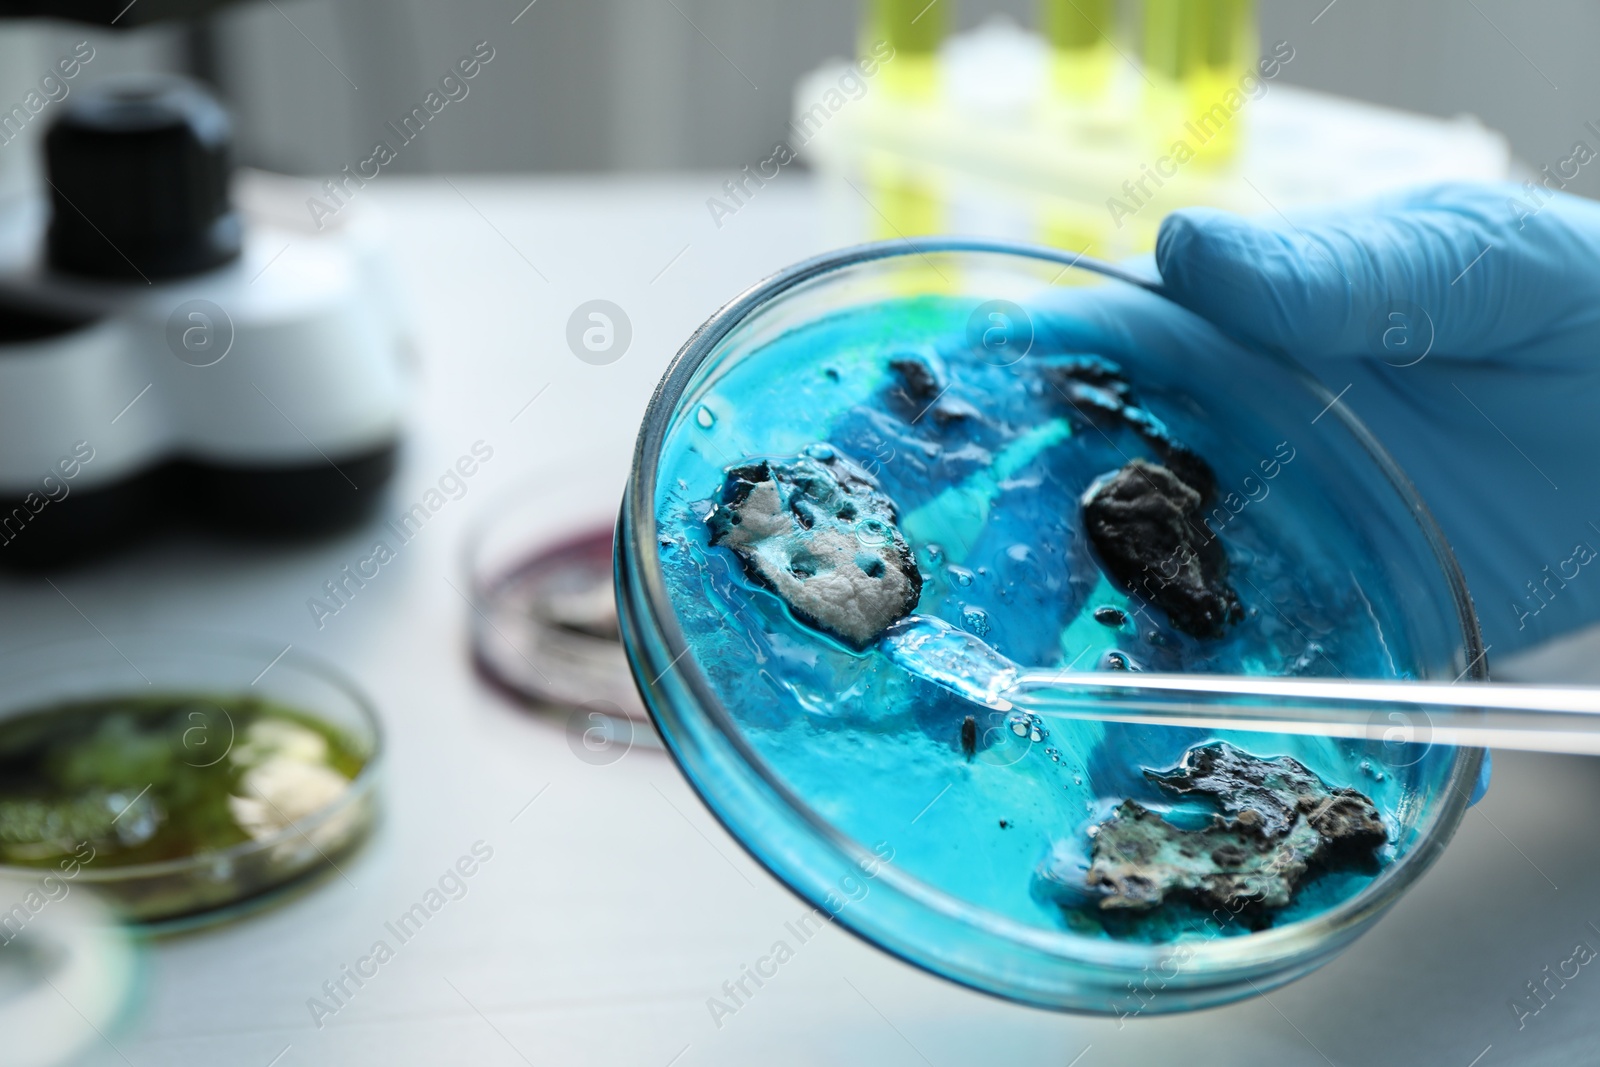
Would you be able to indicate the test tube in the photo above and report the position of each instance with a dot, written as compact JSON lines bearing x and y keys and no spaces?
{"x":906,"y":196}
{"x":1227,"y":49}
{"x":1079,"y":32}
{"x":1195,"y":53}
{"x":1169,"y":38}
{"x":914,"y":29}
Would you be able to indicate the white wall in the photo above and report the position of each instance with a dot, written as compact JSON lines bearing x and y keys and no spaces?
{"x":573,"y":86}
{"x":1525,"y":67}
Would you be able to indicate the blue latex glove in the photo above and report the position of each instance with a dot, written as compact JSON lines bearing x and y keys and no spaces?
{"x":1465,"y":322}
{"x":1460,"y":323}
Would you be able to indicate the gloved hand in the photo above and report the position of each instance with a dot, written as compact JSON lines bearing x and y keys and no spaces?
{"x":1462,"y":325}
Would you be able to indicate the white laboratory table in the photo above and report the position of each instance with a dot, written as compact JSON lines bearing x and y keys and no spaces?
{"x":614,"y":905}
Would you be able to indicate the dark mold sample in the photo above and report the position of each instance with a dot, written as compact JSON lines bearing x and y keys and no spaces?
{"x":818,"y":532}
{"x":1279,"y":823}
{"x":1096,"y":390}
{"x":917,"y":384}
{"x":918,"y":391}
{"x":1109,"y":616}
{"x":1117,"y":661}
{"x":1146,"y":523}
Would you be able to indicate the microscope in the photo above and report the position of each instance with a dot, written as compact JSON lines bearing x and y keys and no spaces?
{"x":179,"y":346}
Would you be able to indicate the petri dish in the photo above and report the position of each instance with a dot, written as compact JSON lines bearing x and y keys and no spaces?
{"x":917,"y":819}
{"x":66,"y":961}
{"x":544,"y":619}
{"x":186,"y":778}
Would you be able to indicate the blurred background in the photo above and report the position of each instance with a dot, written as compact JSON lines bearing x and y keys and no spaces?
{"x":640,"y":85}
{"x":569,"y":188}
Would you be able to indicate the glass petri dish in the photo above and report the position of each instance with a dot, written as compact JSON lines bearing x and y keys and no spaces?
{"x":544,"y":623}
{"x":544,"y":612}
{"x":288,"y":840}
{"x":830,"y":828}
{"x":66,"y":961}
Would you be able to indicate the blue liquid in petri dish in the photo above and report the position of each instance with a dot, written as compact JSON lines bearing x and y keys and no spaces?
{"x":988,"y":477}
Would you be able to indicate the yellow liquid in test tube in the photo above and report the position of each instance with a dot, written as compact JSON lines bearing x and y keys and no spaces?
{"x":1079,"y":32}
{"x":1195,"y":53}
{"x":914,"y":29}
{"x":905,"y":198}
